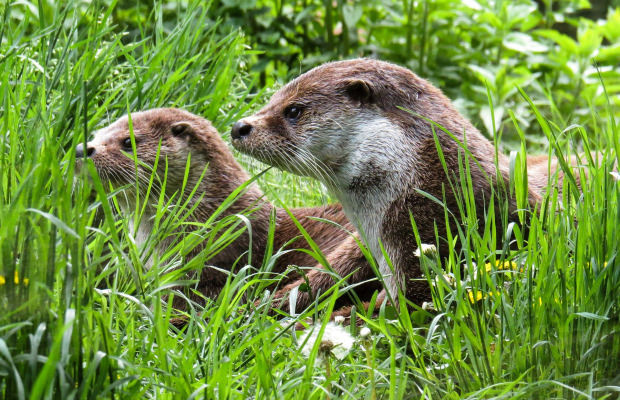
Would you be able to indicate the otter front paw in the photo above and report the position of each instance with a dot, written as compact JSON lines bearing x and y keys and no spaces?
{"x":179,"y":322}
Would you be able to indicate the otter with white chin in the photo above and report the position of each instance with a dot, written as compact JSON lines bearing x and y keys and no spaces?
{"x":363,"y":127}
{"x":173,"y":138}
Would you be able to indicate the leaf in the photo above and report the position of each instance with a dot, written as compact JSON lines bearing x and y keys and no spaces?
{"x":589,"y":42}
{"x":351,"y":14}
{"x":54,"y":220}
{"x":565,"y":42}
{"x":609,"y":54}
{"x":4,"y":351}
{"x":611,"y":29}
{"x":29,"y":5}
{"x":593,"y":316}
{"x":487,"y":118}
{"x":518,"y":12}
{"x":473,"y":4}
{"x":242,"y":4}
{"x":523,"y":43}
{"x":491,"y":18}
{"x":483,"y":74}
{"x":305,"y":14}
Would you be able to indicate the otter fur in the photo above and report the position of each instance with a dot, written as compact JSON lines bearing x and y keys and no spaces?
{"x":371,"y":132}
{"x":173,"y":139}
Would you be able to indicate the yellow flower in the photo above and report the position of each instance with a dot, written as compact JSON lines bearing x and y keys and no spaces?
{"x":501,"y":265}
{"x":604,"y":264}
{"x":478,"y":295}
{"x":26,"y":281}
{"x":475,"y":297}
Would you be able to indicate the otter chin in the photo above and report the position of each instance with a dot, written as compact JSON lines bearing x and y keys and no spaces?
{"x":369,"y":130}
{"x":171,"y":152}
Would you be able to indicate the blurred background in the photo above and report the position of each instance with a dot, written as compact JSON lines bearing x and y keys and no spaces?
{"x":558,"y":52}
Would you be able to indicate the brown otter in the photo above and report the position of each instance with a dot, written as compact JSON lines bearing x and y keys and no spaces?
{"x":171,"y":139}
{"x":370,"y":131}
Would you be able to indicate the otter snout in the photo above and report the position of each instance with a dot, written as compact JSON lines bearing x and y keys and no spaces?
{"x":79,"y":150}
{"x":240,"y":130}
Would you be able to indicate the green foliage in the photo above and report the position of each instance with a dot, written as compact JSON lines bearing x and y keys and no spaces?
{"x":463,"y":47}
{"x":82,"y":318}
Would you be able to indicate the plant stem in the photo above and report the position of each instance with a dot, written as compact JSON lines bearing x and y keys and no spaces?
{"x":328,"y":374}
{"x":329,"y":28}
{"x":369,"y":359}
{"x":423,"y":40}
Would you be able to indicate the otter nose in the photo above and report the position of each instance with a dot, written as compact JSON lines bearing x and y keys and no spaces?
{"x":79,"y":151}
{"x":240,"y":129}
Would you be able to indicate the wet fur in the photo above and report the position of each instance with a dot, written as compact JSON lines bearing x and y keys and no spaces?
{"x":365,"y":132}
{"x":195,"y":138}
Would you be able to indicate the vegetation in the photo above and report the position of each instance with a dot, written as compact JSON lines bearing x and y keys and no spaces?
{"x":82,"y":318}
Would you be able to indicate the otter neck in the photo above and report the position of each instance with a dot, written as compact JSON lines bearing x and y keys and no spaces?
{"x":377,"y":166}
{"x":215,"y":187}
{"x":377,"y":162}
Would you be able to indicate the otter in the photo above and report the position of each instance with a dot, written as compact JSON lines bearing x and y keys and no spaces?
{"x":183,"y":147}
{"x":370,"y":131}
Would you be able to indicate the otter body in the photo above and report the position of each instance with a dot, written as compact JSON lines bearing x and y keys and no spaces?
{"x":182,"y":139}
{"x":363,"y":127}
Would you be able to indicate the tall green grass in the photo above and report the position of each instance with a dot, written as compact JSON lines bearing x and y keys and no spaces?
{"x":82,"y":319}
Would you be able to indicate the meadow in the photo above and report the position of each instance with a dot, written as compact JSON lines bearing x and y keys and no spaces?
{"x":80,"y":316}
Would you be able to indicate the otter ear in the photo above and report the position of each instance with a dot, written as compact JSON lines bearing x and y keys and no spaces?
{"x":359,"y":90}
{"x":182,"y":129}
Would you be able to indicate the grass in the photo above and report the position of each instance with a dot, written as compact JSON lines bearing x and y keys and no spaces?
{"x":82,"y":319}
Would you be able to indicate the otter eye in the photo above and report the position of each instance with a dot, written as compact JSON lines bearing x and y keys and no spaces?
{"x":292,"y":112}
{"x":127,"y":143}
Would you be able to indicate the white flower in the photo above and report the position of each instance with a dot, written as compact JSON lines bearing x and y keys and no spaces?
{"x":364,"y":332}
{"x":615,"y":175}
{"x":336,"y":340}
{"x":426,"y":306}
{"x":426,"y":249}
{"x":339,"y":319}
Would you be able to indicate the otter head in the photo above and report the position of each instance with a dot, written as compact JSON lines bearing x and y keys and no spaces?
{"x":161,"y":140}
{"x":339,"y":119}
